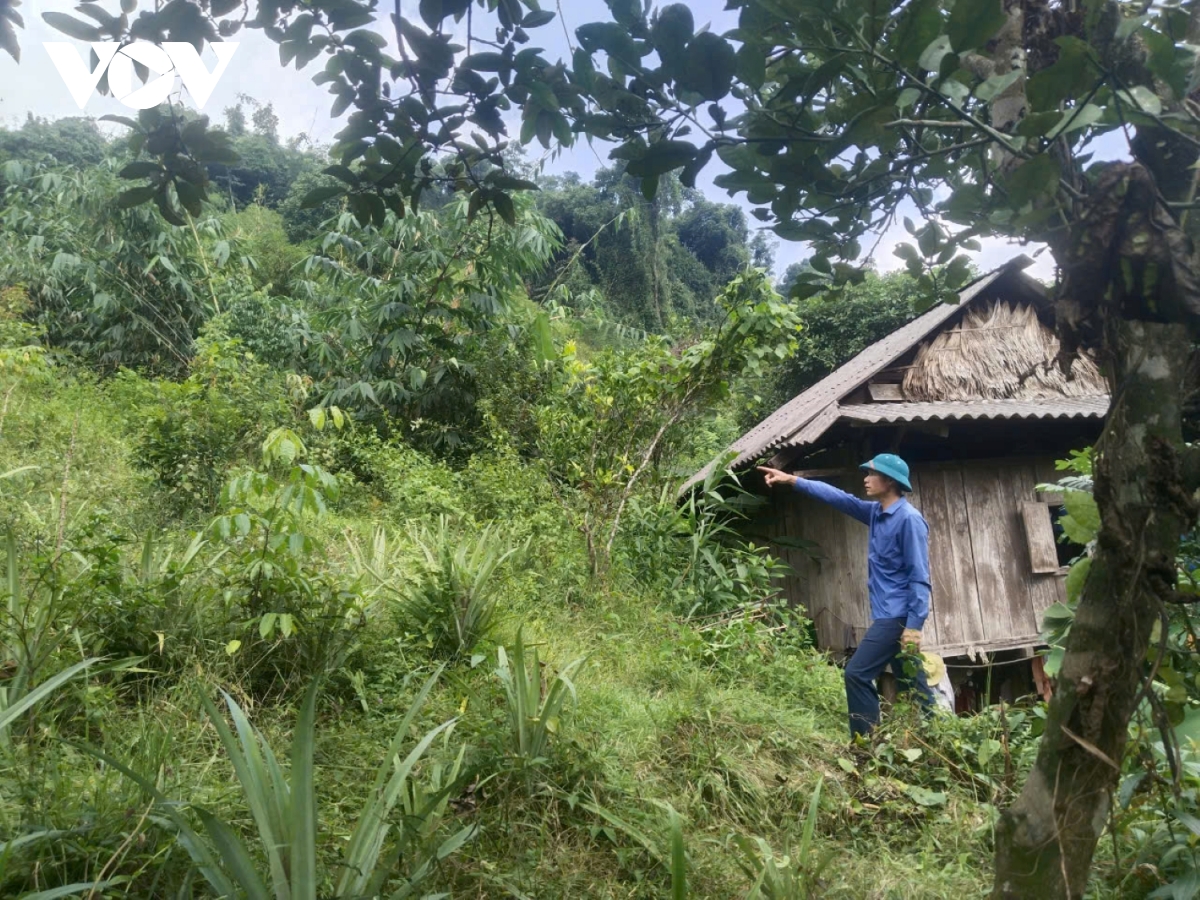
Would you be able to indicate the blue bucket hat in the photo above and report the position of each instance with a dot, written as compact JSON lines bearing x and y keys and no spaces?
{"x":892,"y":466}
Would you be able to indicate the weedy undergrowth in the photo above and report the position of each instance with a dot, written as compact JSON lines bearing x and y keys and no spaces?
{"x":284,"y":810}
{"x":29,"y":639}
{"x":790,"y":877}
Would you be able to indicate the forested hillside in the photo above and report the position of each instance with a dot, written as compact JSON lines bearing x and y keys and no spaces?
{"x":381,"y":519}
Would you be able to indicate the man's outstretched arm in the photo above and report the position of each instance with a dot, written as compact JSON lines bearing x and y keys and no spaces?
{"x":826,"y":493}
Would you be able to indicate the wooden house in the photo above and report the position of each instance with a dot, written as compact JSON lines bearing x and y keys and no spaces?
{"x":971,"y":396}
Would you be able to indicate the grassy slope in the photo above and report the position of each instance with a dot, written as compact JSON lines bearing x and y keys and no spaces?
{"x":735,"y":741}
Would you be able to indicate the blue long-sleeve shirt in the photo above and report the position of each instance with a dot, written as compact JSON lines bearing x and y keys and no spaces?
{"x":897,"y":552}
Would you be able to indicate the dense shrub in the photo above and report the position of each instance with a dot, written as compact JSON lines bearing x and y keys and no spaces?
{"x":193,"y":431}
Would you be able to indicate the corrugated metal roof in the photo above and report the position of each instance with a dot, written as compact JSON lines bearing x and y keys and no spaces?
{"x":784,"y":425}
{"x":955,"y":410}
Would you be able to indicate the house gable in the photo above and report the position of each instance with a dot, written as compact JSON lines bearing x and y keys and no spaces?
{"x":806,"y":417}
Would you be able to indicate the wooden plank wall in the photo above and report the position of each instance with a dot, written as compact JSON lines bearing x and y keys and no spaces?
{"x":985,"y":594}
{"x":834,"y":588}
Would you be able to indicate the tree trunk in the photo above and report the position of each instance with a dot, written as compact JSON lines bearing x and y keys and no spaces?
{"x":1045,"y":841}
{"x":654,"y":271}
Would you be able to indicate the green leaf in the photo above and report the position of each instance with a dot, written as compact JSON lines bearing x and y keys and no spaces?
{"x":41,"y":692}
{"x":191,"y":196}
{"x":973,"y":22}
{"x":924,"y":796}
{"x":1142,"y":99}
{"x":1076,"y":578}
{"x":929,"y":239}
{"x":1129,"y":784}
{"x":81,"y":31}
{"x":988,"y":748}
{"x":660,"y":158}
{"x":678,"y":858}
{"x":1038,"y":124}
{"x":543,"y":339}
{"x":1189,"y":728}
{"x":998,"y":84}
{"x":958,"y":272}
{"x":320,"y":195}
{"x":505,"y":182}
{"x":1074,"y":119}
{"x":1072,"y":75}
{"x":342,"y":173}
{"x":752,"y":66}
{"x":932,"y":56}
{"x":136,"y":196}
{"x":537,"y":18}
{"x":304,"y":802}
{"x":954,"y":90}
{"x":1172,"y":65}
{"x":609,"y":37}
{"x":1084,"y":516}
{"x":122,"y":120}
{"x":920,"y":24}
{"x":97,"y":13}
{"x":74,"y":890}
{"x":431,"y":12}
{"x":1054,"y":661}
{"x":708,"y":67}
{"x":673,"y":27}
{"x":8,"y":39}
{"x":234,"y":855}
{"x":140,"y":169}
{"x":1056,"y":615}
{"x":1035,"y":178}
{"x":485,"y":62}
{"x":583,"y":69}
{"x":504,"y":206}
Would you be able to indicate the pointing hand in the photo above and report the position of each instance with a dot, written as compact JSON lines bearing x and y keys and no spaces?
{"x":775,"y":476}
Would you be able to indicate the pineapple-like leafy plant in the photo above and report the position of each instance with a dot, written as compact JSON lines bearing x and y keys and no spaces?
{"x":534,"y":707}
{"x":452,"y":604}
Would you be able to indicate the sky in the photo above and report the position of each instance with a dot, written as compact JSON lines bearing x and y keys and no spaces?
{"x":35,"y":86}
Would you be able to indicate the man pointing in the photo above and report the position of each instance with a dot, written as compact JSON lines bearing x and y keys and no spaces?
{"x":897,"y":580}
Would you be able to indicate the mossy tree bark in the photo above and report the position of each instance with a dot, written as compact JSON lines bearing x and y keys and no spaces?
{"x":1128,"y":280}
{"x":1047,"y":838}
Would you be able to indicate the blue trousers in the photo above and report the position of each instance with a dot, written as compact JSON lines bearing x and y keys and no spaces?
{"x":879,"y":647}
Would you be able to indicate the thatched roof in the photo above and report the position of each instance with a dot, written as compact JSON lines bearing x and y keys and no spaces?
{"x":999,"y":350}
